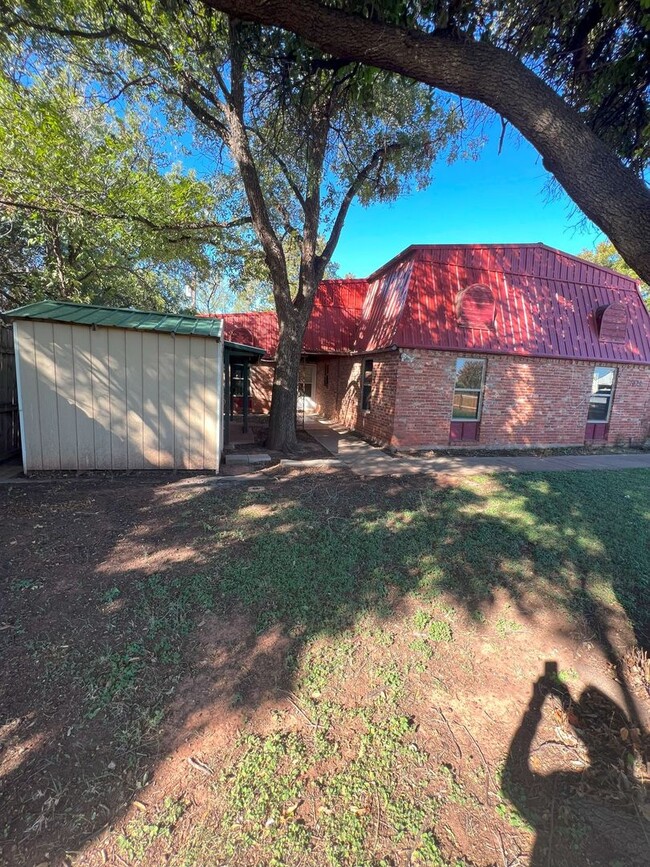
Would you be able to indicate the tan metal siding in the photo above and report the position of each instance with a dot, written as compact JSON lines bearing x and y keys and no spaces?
{"x":118,"y":399}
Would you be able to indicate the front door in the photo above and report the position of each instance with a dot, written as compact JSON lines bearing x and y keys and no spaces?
{"x":307,"y":387}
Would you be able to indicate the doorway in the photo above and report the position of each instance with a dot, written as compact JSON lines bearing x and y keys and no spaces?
{"x":307,"y":388}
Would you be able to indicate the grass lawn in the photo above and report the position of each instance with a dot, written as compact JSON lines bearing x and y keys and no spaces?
{"x":316,"y":670}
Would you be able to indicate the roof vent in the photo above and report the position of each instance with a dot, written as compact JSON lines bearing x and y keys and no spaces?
{"x":475,"y":306}
{"x":611,"y":320}
{"x":241,"y":335}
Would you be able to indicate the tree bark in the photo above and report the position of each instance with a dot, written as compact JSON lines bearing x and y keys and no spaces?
{"x":282,"y":419}
{"x":609,"y":193}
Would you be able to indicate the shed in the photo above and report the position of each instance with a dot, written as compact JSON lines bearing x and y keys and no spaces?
{"x":102,"y":388}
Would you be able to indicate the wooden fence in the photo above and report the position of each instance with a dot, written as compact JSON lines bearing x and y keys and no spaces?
{"x":9,"y":423}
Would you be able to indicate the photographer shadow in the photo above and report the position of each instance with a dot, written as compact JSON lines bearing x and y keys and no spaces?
{"x":590,"y":816}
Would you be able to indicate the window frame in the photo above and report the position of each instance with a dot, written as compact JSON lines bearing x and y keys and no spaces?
{"x":237,"y":381}
{"x":365,"y":397}
{"x":610,"y":396}
{"x":480,"y":391}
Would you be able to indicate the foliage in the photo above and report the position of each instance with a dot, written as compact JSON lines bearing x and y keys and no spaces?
{"x":306,"y":135}
{"x":605,"y":254}
{"x":87,"y":212}
{"x":140,"y":834}
{"x":595,"y":54}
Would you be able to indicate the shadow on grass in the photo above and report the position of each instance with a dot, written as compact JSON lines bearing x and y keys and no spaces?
{"x":104,"y":601}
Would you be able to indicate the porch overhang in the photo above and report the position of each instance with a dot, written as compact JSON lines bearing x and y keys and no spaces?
{"x":241,"y":355}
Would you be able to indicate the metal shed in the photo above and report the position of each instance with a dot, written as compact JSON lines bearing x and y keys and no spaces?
{"x":115,"y":389}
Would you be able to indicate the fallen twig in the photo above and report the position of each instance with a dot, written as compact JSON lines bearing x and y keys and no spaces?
{"x":451,"y":732}
{"x":199,"y":765}
{"x":488,"y":775}
{"x":293,"y":702}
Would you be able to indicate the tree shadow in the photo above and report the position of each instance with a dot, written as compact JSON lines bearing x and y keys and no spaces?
{"x":160,"y":609}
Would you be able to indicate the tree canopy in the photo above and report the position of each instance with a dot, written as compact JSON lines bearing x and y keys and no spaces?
{"x":87,"y":210}
{"x":571,"y":77}
{"x":290,"y":138}
{"x":605,"y":254}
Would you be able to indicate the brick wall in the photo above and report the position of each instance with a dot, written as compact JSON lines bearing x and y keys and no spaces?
{"x":526,"y":401}
{"x":630,"y":416}
{"x":261,"y":380}
{"x":341,"y":398}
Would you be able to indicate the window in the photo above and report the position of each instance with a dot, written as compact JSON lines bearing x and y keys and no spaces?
{"x":237,"y":380}
{"x":366,"y":384}
{"x":602,"y":388}
{"x":468,"y":390}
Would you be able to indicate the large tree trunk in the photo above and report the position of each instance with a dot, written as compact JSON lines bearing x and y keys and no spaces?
{"x":282,"y":420}
{"x":610,"y":194}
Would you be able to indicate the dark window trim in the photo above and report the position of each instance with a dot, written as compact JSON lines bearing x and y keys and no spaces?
{"x":366,"y":390}
{"x":480,"y":391}
{"x":610,"y":395}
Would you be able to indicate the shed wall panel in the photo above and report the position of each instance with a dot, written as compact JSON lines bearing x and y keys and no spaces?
{"x":166,"y":401}
{"x":151,"y":404}
{"x":65,"y":393}
{"x":100,"y":384}
{"x":135,"y":401}
{"x":117,"y":399}
{"x":29,"y":409}
{"x":47,"y":382}
{"x":182,"y":401}
{"x":83,"y":395}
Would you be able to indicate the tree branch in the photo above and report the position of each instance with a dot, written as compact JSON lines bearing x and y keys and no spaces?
{"x":284,"y":168}
{"x":608,"y":192}
{"x":80,"y":210}
{"x":377,"y":158}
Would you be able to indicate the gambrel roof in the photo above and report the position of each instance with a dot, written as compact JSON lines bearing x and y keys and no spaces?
{"x":524,"y":299}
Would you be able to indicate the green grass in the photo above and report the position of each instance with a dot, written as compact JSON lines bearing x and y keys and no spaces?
{"x":506,"y":627}
{"x":141,"y":834}
{"x":329,"y":565}
{"x":579,"y":540}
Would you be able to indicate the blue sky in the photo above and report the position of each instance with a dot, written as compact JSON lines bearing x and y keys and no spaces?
{"x":497,"y":198}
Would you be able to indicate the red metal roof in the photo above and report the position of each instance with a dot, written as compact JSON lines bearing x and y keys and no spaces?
{"x":545,"y":304}
{"x":332,"y":327}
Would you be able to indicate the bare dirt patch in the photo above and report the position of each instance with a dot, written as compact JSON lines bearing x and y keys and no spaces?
{"x":321,"y":670}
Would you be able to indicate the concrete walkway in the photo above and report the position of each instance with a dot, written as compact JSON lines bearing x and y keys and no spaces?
{"x":368,"y":461}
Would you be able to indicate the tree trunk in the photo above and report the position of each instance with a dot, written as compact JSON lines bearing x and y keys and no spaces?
{"x":610,"y":194}
{"x":282,"y":420}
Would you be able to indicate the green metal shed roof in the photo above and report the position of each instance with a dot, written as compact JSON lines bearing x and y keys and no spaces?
{"x":119,"y":317}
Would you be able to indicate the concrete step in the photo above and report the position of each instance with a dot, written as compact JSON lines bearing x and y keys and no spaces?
{"x":254,"y":460}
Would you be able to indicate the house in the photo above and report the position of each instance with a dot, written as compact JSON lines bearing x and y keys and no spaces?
{"x":101,"y":388}
{"x":465,"y":345}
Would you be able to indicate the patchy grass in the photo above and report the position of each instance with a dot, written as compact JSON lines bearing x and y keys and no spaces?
{"x":140,"y":834}
{"x":337,"y":655}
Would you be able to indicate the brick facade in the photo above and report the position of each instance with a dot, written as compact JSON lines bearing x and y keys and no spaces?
{"x":526,"y":401}
{"x":261,"y":384}
{"x":341,"y":398}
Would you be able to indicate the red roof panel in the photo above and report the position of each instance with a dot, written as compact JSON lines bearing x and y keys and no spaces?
{"x":545,"y":306}
{"x":546,"y":303}
{"x":332,"y":327}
